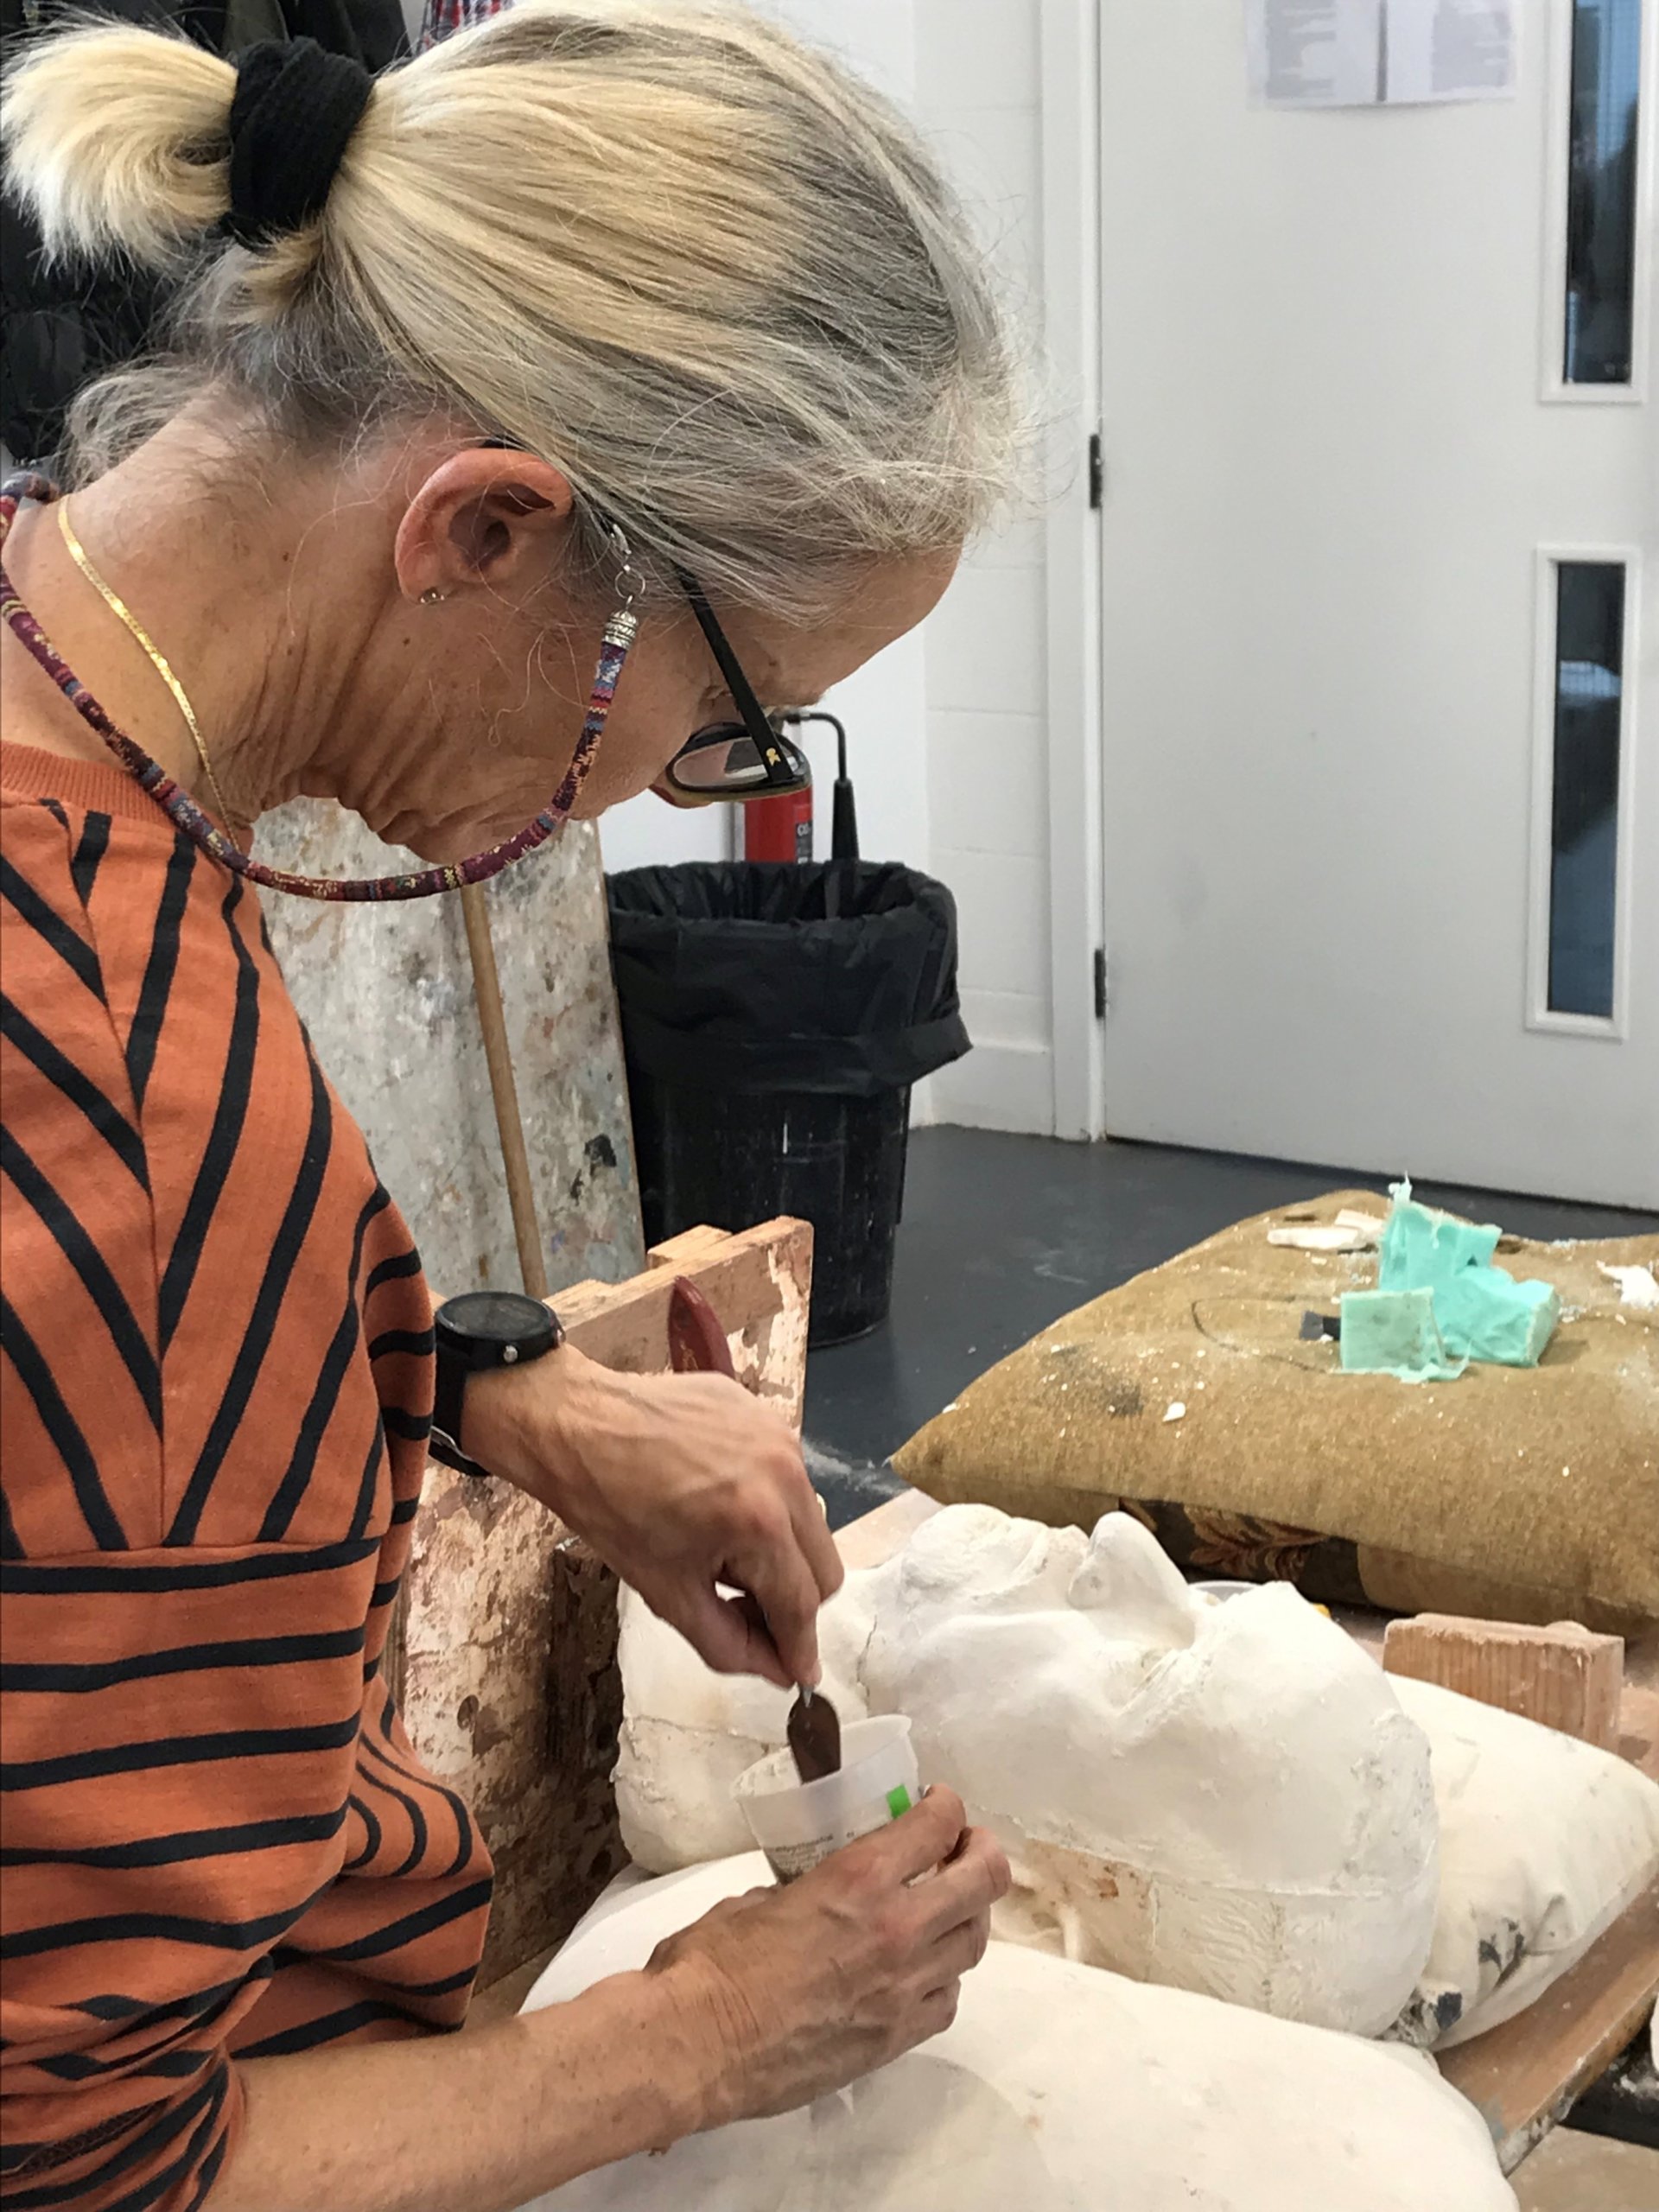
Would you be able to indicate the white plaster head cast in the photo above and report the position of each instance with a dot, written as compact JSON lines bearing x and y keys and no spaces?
{"x":1225,"y":1798}
{"x":1057,"y":2088}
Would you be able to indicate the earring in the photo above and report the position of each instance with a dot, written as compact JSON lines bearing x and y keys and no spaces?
{"x":624,"y":625}
{"x":433,"y":597}
{"x":616,"y":641}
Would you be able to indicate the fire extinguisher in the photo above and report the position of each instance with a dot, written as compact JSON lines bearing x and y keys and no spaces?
{"x":778,"y":829}
{"x":781,"y":828}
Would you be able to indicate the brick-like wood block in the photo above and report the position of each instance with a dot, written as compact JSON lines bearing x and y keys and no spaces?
{"x":1565,"y":1676}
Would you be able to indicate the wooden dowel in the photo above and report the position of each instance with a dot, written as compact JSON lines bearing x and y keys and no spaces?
{"x":492,"y":1020}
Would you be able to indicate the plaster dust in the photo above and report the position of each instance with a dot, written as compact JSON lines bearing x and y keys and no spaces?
{"x":1058,"y":2090}
{"x":1222,"y":1798}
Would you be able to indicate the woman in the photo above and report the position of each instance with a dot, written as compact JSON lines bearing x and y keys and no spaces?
{"x":604,"y":335}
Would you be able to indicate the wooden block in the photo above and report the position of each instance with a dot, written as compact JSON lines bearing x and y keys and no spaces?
{"x":1565,"y":1676}
{"x":759,"y":1282}
{"x":685,"y":1250}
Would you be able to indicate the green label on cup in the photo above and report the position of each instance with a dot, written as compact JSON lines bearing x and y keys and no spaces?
{"x":898,"y":1801}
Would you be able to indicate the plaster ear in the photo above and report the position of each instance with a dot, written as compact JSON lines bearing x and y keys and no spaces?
{"x":1127,"y":1576}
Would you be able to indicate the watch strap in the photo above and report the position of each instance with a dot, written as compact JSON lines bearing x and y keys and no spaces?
{"x":457,"y":1355}
{"x":442,"y":1447}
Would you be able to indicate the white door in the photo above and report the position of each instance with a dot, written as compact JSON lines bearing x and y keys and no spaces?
{"x":1380,"y":630}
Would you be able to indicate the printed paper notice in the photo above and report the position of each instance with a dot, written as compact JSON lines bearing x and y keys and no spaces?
{"x":1316,"y":53}
{"x":1379,"y":53}
{"x":1448,"y":50}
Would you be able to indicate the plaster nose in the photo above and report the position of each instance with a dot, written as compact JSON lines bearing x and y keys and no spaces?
{"x":1126,"y":1575}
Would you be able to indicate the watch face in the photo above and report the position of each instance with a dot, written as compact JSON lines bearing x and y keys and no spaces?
{"x":495,"y":1317}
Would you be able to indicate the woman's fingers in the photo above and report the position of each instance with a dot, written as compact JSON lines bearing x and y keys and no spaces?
{"x":729,"y":1634}
{"x":817,"y":1545}
{"x":778,"y":1577}
{"x":962,"y":1892}
{"x":959,"y":1952}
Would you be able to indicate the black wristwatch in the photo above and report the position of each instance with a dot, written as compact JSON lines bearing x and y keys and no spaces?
{"x":481,"y":1330}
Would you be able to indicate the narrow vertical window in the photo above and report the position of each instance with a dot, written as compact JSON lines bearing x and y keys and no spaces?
{"x":1584,"y":792}
{"x":1601,"y":192}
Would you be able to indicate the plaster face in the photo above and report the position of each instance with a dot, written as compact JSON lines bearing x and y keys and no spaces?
{"x":1223,"y":1798}
{"x":1059,"y":2089}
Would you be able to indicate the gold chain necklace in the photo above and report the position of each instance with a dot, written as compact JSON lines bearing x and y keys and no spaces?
{"x":119,"y":608}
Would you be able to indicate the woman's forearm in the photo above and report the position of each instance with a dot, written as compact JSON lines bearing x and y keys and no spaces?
{"x":473,"y":2123}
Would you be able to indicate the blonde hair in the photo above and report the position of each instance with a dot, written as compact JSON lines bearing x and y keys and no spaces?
{"x":707,"y":272}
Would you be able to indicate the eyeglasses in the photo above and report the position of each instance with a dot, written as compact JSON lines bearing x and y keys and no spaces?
{"x":747,"y":759}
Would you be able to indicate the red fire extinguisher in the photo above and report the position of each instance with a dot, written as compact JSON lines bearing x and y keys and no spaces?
{"x":778,"y":829}
{"x":781,"y":828}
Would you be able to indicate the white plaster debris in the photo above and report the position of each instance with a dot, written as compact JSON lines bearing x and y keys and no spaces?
{"x":1175,"y":1410}
{"x":1637,"y":1287}
{"x":1350,"y":1232}
{"x":1253,"y":1819}
{"x":1056,"y":2089}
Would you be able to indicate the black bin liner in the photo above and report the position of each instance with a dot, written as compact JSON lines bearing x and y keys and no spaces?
{"x":774,"y":1018}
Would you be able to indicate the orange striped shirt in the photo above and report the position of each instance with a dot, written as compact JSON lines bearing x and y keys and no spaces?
{"x":214,"y":1393}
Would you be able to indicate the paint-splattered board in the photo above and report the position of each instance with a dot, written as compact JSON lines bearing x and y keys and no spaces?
{"x":506,"y":1665}
{"x":1522,"y":2076}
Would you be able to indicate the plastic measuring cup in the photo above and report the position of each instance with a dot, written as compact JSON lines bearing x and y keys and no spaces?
{"x":798,"y":1823}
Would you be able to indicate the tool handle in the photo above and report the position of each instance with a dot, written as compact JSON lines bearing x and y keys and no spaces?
{"x":696,"y":1343}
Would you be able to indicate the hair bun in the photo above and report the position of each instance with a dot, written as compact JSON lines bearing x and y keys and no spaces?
{"x":118,"y":140}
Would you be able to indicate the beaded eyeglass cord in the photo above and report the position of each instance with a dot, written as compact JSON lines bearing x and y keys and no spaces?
{"x":189,"y":819}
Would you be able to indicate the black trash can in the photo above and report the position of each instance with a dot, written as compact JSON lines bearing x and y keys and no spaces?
{"x":774,"y":1018}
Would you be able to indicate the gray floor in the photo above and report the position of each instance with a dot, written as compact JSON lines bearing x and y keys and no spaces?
{"x":1003,"y":1235}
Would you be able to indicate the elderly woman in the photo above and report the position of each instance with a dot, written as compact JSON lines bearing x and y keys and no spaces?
{"x":607,"y":351}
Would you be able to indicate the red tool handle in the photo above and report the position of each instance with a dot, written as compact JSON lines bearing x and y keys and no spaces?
{"x":696,"y":1343}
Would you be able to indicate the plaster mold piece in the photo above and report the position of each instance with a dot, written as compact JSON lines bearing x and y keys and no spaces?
{"x":1058,"y":2090}
{"x":1225,"y":1798}
{"x":1544,"y":1841}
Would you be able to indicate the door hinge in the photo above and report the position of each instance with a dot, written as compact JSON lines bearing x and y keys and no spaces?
{"x":1096,"y":472}
{"x":1100,"y":983}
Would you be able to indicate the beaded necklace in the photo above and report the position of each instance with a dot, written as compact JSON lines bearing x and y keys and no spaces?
{"x":189,"y":819}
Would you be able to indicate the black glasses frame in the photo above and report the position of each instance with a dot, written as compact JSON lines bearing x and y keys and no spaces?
{"x":786,"y":767}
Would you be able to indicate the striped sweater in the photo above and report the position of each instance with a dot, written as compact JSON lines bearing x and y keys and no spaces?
{"x":215,"y":1387}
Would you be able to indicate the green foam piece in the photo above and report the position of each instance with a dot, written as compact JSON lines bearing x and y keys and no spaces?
{"x":1481,"y":1310}
{"x":1394,"y":1332}
{"x":1486,"y":1315}
{"x":1425,"y":1250}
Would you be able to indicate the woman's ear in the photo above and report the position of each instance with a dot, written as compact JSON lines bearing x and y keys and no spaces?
{"x":489,"y":516}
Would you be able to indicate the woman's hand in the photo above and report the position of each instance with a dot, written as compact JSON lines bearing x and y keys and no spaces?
{"x":803,"y":1989}
{"x":771,"y":2000}
{"x":679,"y":1482}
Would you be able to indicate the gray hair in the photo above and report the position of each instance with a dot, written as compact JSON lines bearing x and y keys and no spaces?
{"x":703,"y":270}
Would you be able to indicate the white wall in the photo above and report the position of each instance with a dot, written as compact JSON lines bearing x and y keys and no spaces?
{"x":885,"y":704}
{"x":947,"y":729}
{"x":978,"y":97}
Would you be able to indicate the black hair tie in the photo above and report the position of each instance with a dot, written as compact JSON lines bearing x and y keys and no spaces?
{"x":292,"y":115}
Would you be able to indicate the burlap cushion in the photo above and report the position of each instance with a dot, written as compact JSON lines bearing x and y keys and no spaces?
{"x":1515,"y":1493}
